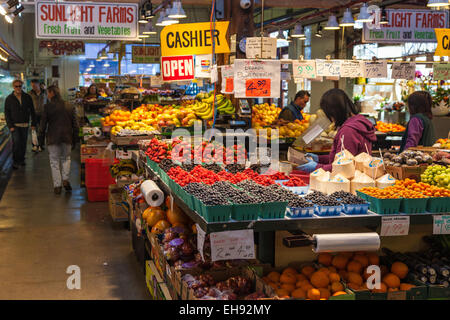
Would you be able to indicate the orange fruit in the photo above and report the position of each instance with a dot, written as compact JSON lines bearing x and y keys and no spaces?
{"x":274,"y":276}
{"x":288,"y":278}
{"x":324,"y":270}
{"x":282,"y":293}
{"x":339,"y":261}
{"x":319,"y":279}
{"x":290,"y":270}
{"x":348,"y":255}
{"x":392,"y":289}
{"x":314,"y":294}
{"x":300,"y":277}
{"x":299,"y":293}
{"x":274,"y":286}
{"x":353,"y":286}
{"x":383,"y":289}
{"x":406,"y":286}
{"x":337,"y":286}
{"x":343,"y":274}
{"x":288,"y":287}
{"x":384,"y":270}
{"x":308,"y":271}
{"x":324,"y":293}
{"x":334,"y":277}
{"x":355,"y":278}
{"x":373,"y":258}
{"x":325,"y":259}
{"x":400,"y":269}
{"x":363,"y":259}
{"x":354,"y":266}
{"x":391,"y":280}
{"x":339,"y":293}
{"x":332,"y":269}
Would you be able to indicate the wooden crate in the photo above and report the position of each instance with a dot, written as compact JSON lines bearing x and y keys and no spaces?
{"x":116,"y":205}
{"x":129,"y":140}
{"x":411,"y":172}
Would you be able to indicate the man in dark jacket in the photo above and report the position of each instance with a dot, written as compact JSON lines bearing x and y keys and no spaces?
{"x":39,"y":100}
{"x":293,"y":111}
{"x":59,"y":121}
{"x":18,"y":111}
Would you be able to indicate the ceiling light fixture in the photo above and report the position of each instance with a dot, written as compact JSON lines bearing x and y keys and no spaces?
{"x":148,"y":7}
{"x":319,"y":32}
{"x":142,"y":18}
{"x":168,"y":21}
{"x":364,"y":15}
{"x":177,"y":11}
{"x":332,"y":23}
{"x":106,"y":65}
{"x":149,"y":29}
{"x":91,"y":65}
{"x":438,"y":3}
{"x":347,"y":20}
{"x":5,"y":7}
{"x":298,"y":31}
{"x":384,"y":17}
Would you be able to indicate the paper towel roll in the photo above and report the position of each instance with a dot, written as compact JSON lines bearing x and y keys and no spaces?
{"x":97,"y":132}
{"x":340,"y":242}
{"x":152,"y":194}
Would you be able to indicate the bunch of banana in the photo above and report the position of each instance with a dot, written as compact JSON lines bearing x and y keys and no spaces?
{"x":203,"y":110}
{"x":123,"y":168}
{"x":225,"y":106}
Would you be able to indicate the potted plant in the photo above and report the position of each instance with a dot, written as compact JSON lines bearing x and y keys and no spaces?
{"x":440,"y":102}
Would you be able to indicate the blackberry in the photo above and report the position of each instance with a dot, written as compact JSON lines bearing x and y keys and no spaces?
{"x":235,"y":168}
{"x":347,"y":198}
{"x":213,"y":167}
{"x":167,"y":164}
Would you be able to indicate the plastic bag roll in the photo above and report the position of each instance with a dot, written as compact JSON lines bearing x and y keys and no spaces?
{"x":152,"y":194}
{"x":340,"y":242}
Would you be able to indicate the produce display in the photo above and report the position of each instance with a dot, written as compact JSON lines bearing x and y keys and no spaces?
{"x":437,"y":176}
{"x":442,"y":144}
{"x":407,"y":158}
{"x":204,"y":106}
{"x":389,"y":127}
{"x":124,"y":168}
{"x":264,"y":115}
{"x":407,"y":189}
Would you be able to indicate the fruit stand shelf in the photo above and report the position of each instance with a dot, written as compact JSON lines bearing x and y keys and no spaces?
{"x":370,"y":221}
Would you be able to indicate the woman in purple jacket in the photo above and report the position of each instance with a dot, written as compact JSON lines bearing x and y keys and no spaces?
{"x":420,"y":129}
{"x":355,"y":130}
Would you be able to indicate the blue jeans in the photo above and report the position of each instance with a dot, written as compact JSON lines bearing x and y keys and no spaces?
{"x":59,"y":155}
{"x":19,"y":138}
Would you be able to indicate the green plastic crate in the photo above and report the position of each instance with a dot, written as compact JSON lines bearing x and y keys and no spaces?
{"x":413,"y":205}
{"x":216,"y":213}
{"x":384,"y":206}
{"x":273,"y":210}
{"x":246,"y":212}
{"x":362,"y":195}
{"x":197,"y":205}
{"x":438,"y":205}
{"x":436,"y":292}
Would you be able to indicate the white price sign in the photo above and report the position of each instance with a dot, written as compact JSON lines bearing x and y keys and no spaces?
{"x":352,"y":69}
{"x":441,"y":224}
{"x":304,"y":69}
{"x":156,"y":81}
{"x":328,"y":68}
{"x":257,"y":78}
{"x":232,"y":245}
{"x":404,"y":70}
{"x":376,"y":69}
{"x":394,"y":226}
{"x":200,"y":240}
{"x":253,"y":48}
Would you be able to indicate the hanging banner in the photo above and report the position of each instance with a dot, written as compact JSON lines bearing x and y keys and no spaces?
{"x":194,"y":38}
{"x":86,"y":20}
{"x":403,"y":70}
{"x":304,"y":70}
{"x":443,"y":42}
{"x":257,"y":78}
{"x":203,"y":65}
{"x":145,"y":54}
{"x":227,"y":79}
{"x":179,"y":68}
{"x":406,"y":26}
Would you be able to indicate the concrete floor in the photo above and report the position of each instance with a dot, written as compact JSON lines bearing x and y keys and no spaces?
{"x":41,"y":234}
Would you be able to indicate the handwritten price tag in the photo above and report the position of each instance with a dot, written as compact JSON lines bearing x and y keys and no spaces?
{"x":441,"y":224}
{"x":304,"y":69}
{"x":229,"y":85}
{"x":231,"y":245}
{"x":376,"y":69}
{"x":394,"y":226}
{"x":404,"y":70}
{"x":328,"y":68}
{"x":441,"y":71}
{"x":257,"y":88}
{"x":352,"y":69}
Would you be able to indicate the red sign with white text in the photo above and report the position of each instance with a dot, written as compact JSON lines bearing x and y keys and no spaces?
{"x":178,"y":68}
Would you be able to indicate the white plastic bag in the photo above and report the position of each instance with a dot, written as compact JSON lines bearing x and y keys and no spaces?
{"x":34,"y":138}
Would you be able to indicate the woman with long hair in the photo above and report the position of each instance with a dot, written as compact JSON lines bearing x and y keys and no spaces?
{"x":355,"y":132}
{"x":59,"y":124}
{"x":420,"y":129}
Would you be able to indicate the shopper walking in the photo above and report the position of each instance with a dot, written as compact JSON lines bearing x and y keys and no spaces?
{"x":39,"y":100}
{"x":18,"y":111}
{"x":59,"y":123}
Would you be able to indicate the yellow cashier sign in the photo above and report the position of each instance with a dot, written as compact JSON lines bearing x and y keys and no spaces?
{"x":194,"y":38}
{"x":443,"y":42}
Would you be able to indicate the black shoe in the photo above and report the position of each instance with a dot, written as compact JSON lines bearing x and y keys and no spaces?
{"x":67,"y":186}
{"x":15,"y":166}
{"x":57,"y":190}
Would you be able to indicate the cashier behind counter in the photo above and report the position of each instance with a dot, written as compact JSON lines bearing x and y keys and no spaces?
{"x":294,"y":110}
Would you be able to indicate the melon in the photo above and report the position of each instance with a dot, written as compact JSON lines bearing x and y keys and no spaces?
{"x":176,"y":216}
{"x":153,"y":215}
{"x":160,"y":227}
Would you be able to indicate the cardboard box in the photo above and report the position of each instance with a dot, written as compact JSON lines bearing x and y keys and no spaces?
{"x":116,"y":206}
{"x":129,"y":140}
{"x":296,"y":157}
{"x":157,"y":255}
{"x":155,"y":284}
{"x":94,"y":152}
{"x":411,"y":172}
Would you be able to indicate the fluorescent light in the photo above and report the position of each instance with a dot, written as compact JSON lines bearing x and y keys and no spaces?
{"x":9,"y":18}
{"x":319,"y":32}
{"x":364,"y":15}
{"x":148,"y":8}
{"x":91,"y":65}
{"x":298,"y":31}
{"x":168,"y":21}
{"x":384,"y":17}
{"x":106,"y":65}
{"x":149,"y":29}
{"x":438,"y":3}
{"x":142,"y":18}
{"x":3,"y":58}
{"x":177,"y":11}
